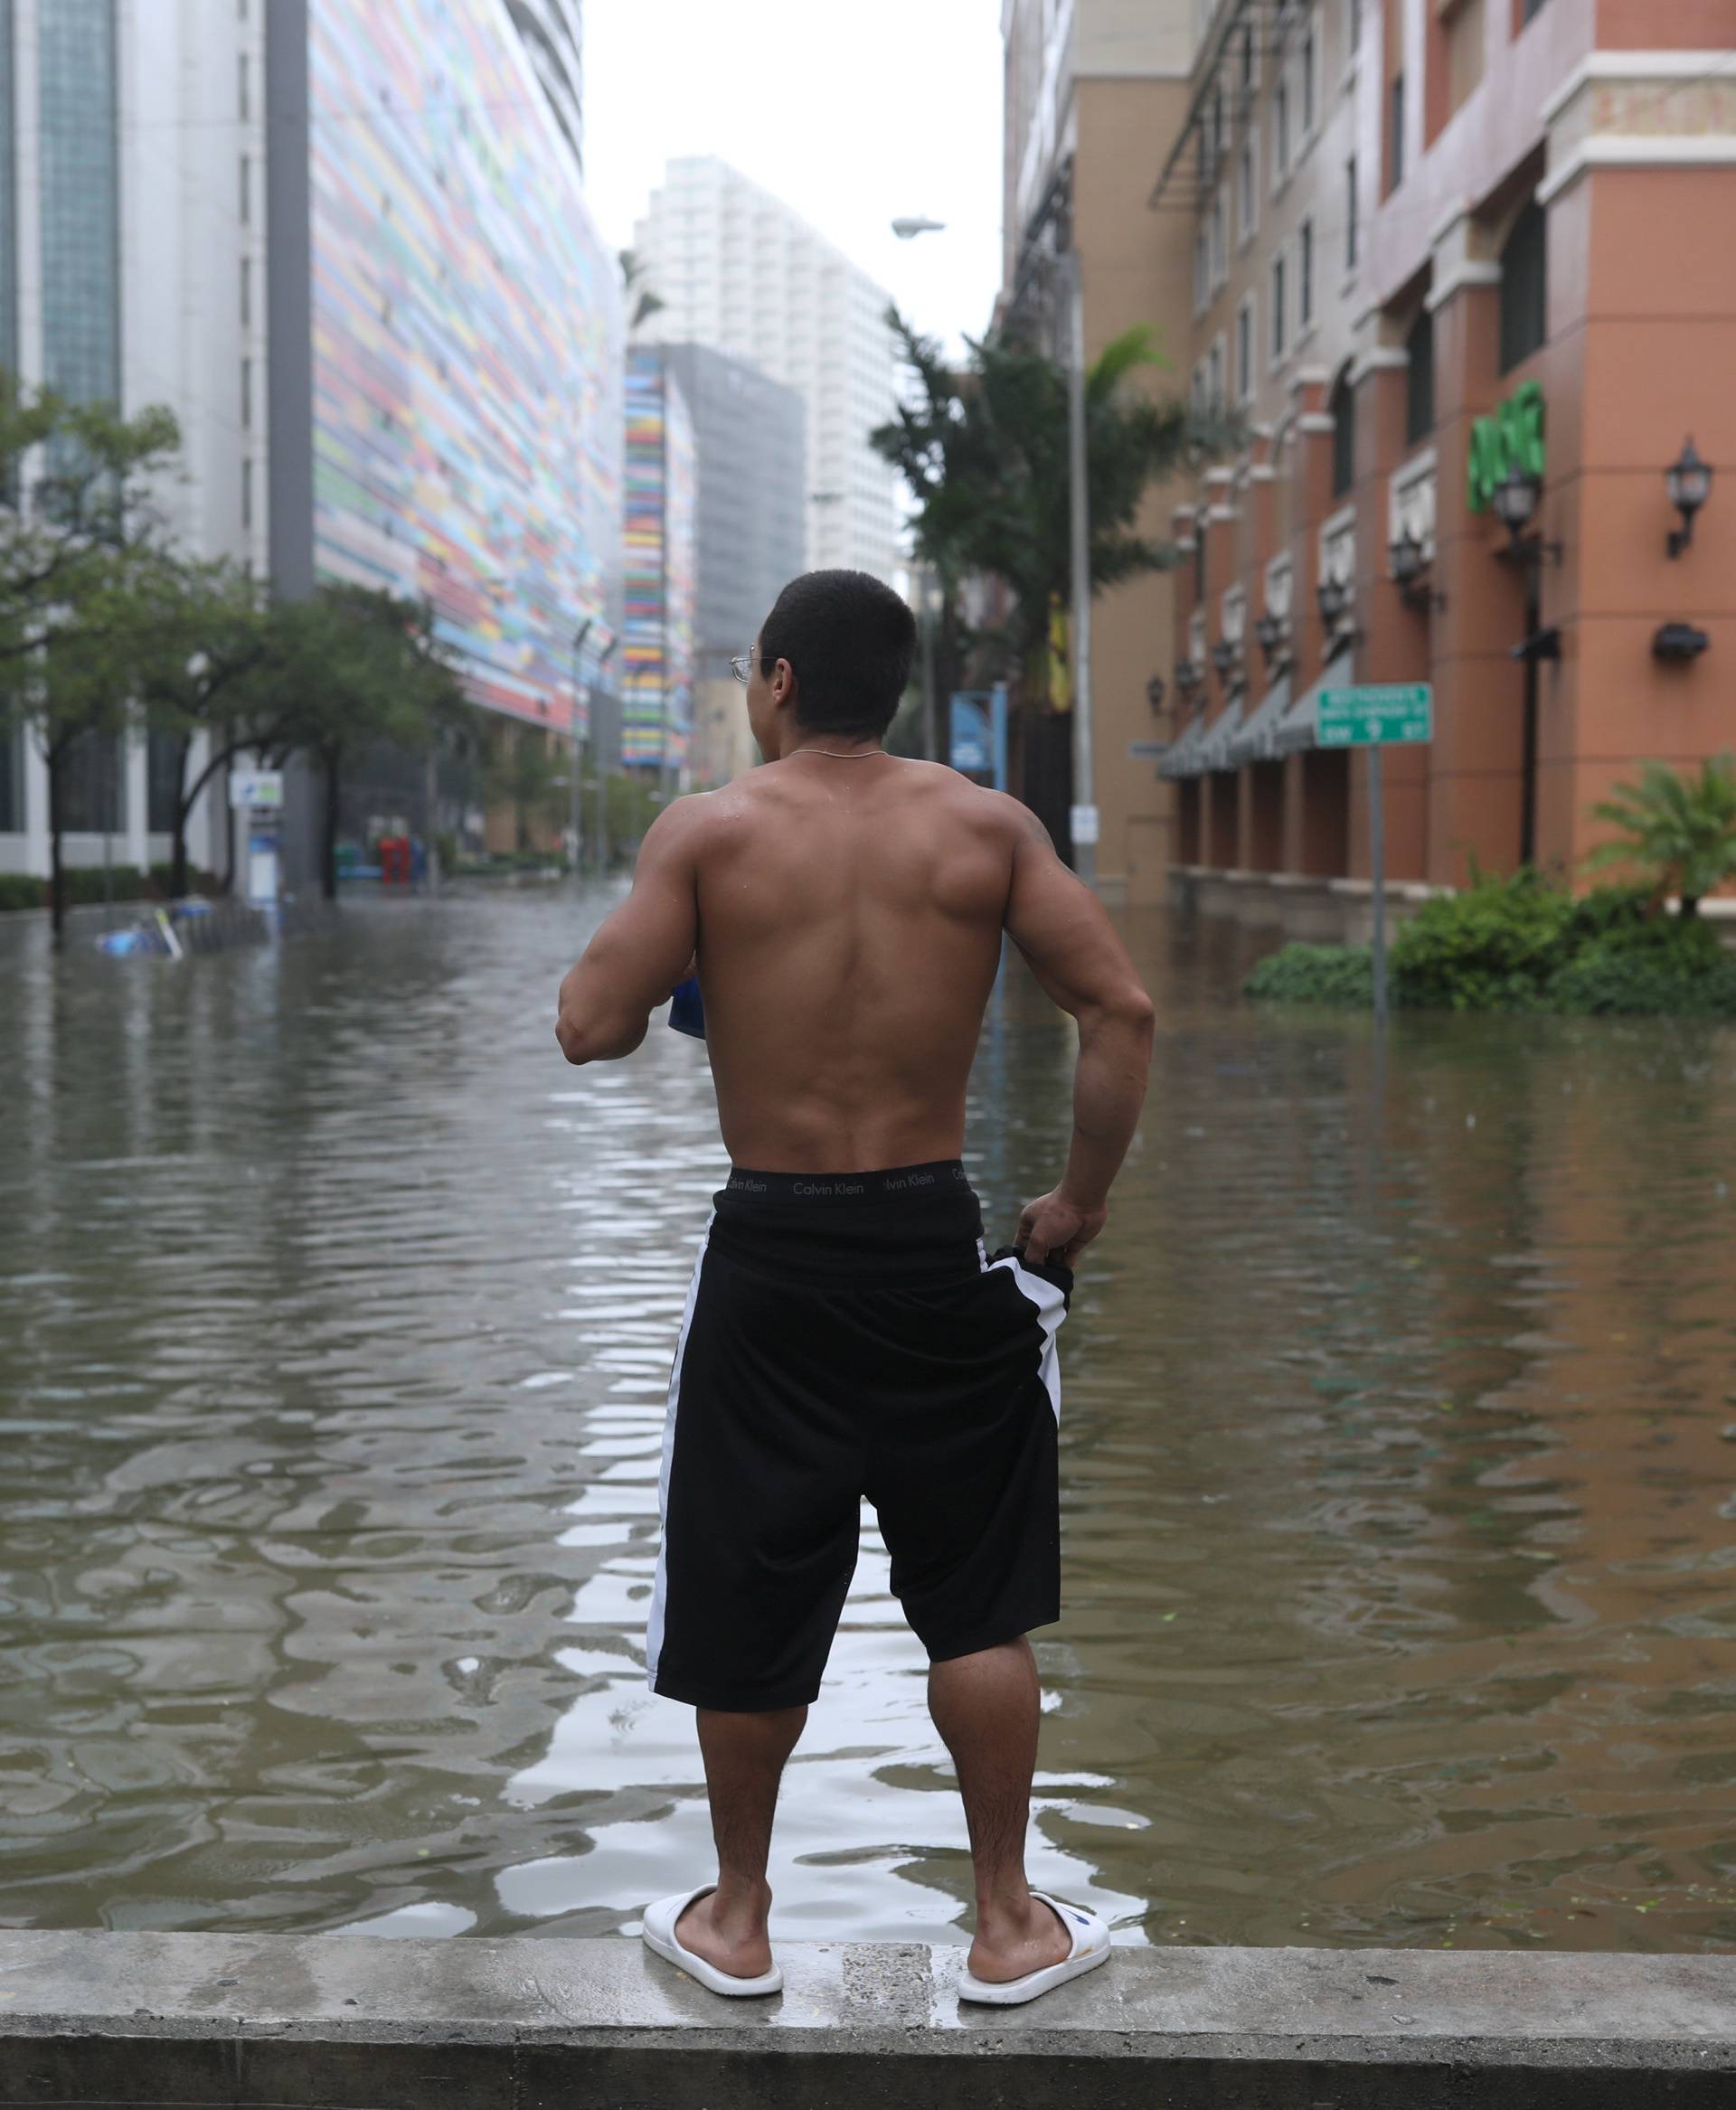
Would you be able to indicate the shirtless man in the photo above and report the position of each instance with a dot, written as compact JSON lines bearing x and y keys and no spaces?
{"x":847,"y":1333}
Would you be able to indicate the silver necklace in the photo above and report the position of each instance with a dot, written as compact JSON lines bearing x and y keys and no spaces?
{"x":832,"y":754}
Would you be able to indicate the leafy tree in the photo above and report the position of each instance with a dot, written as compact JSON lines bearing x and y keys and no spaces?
{"x":350,"y":666}
{"x":1680,"y":829}
{"x":80,"y":531}
{"x":204,"y":632}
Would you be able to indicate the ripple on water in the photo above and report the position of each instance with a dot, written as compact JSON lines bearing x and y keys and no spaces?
{"x":335,"y":1317}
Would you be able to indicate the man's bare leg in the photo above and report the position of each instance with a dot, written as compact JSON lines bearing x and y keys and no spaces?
{"x":985,"y":1707}
{"x":744,"y":1757}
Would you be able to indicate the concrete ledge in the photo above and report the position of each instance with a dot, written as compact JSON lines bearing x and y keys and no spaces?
{"x":329,"y":2020}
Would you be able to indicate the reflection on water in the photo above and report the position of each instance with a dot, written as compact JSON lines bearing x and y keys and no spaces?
{"x":1399,"y":1444}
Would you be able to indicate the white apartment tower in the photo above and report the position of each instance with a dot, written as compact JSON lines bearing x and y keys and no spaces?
{"x":740,"y":271}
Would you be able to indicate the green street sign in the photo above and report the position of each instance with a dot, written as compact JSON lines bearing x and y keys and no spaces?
{"x":1377,"y":714}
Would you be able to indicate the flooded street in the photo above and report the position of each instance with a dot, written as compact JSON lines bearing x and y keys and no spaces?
{"x":1399,"y":1461}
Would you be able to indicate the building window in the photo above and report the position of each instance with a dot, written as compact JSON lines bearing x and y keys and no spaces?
{"x":1352,"y":229}
{"x":161,"y":780}
{"x":1220,"y":260}
{"x":1247,"y":206}
{"x":93,"y":784}
{"x":1214,"y":379}
{"x":1247,"y":61}
{"x":1310,"y":87}
{"x":1202,"y":269}
{"x":81,"y":221}
{"x":240,"y":88}
{"x":1341,"y":408}
{"x":1419,"y":380}
{"x":1198,"y":393}
{"x":246,"y":190}
{"x":1304,"y":275}
{"x":1529,"y":10}
{"x":1354,"y":24}
{"x":1524,"y":310}
{"x":1395,"y":133}
{"x":247,"y":491}
{"x":1281,"y":128}
{"x":1279,"y":337}
{"x":247,"y":393}
{"x":1245,"y":351}
{"x":8,"y":244}
{"x":247,"y":293}
{"x":12,"y":776}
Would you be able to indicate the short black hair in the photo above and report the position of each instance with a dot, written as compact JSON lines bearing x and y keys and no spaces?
{"x":850,"y":640}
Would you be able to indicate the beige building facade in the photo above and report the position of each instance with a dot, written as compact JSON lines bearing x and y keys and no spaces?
{"x":1090,"y":86}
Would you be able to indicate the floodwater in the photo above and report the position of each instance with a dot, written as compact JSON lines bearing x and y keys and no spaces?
{"x":1399,"y":1444}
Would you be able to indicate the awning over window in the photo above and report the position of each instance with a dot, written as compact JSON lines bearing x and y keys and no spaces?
{"x":1252,"y":741}
{"x":1300,"y":725}
{"x":1183,"y":758}
{"x":1214,"y":748}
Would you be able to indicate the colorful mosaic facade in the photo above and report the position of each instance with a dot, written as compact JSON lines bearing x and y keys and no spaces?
{"x":466,"y":342}
{"x":660,"y":573}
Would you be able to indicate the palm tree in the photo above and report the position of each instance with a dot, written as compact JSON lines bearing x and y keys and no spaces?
{"x":984,"y":452}
{"x":1682,"y":829}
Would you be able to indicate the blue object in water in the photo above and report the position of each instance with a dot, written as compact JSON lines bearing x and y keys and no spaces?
{"x":686,"y":1011}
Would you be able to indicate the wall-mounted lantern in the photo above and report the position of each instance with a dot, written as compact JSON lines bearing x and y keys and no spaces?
{"x":1678,"y":641}
{"x":1187,"y":679}
{"x":1270,"y":634}
{"x":1223,"y":657}
{"x":1688,"y":481}
{"x":1157,"y":688}
{"x":1411,"y":562}
{"x":1334,"y":595}
{"x":1515,"y":499}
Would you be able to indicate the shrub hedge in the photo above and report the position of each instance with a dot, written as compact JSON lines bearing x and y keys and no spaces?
{"x":84,"y":885}
{"x":1520,"y":943}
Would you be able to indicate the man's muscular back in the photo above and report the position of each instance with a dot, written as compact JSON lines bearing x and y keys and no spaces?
{"x":850,"y":918}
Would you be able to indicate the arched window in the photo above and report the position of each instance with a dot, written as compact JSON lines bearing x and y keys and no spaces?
{"x":1524,"y":319}
{"x":1420,"y":379}
{"x":1341,"y":408}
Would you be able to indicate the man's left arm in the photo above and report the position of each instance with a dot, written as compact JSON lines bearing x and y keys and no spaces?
{"x":642,"y":950}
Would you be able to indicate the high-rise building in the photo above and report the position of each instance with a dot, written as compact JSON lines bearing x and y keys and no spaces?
{"x":463,"y":408}
{"x":348,"y":246}
{"x":659,"y":536}
{"x":554,"y":35}
{"x":749,"y":448}
{"x":740,"y":271}
{"x":1088,"y":86}
{"x":132,"y":145}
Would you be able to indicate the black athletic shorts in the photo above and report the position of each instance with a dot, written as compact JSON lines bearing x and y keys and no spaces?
{"x":847,"y":1334}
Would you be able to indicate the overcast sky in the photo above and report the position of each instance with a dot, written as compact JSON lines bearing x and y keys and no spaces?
{"x":853,"y":112}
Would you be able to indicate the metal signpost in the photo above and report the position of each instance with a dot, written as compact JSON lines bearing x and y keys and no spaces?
{"x":1376,"y":715}
{"x":976,"y":733}
{"x":257,"y":795}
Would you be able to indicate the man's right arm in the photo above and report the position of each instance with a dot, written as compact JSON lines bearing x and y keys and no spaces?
{"x":1065,"y":935}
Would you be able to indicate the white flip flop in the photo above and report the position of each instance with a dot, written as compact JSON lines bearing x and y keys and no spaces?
{"x":658,"y":1931}
{"x":1091,"y":1934}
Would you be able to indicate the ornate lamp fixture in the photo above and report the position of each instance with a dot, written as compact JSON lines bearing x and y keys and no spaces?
{"x":1688,"y":481}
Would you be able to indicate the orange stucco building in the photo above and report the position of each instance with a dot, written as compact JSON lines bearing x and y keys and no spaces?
{"x":1442,"y":247}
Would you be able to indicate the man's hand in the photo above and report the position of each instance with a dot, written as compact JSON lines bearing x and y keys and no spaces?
{"x":1053,"y":1228}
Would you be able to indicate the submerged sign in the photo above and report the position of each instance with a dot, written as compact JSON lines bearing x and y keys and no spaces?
{"x":1509,"y":436}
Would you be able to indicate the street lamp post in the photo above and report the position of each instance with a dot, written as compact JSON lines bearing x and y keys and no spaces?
{"x":1084,"y":818}
{"x":600,"y":831}
{"x":580,"y":636}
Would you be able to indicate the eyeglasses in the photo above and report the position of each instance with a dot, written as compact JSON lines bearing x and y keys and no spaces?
{"x":741,"y":665}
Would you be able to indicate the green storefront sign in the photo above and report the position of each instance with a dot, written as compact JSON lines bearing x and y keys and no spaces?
{"x":1512,"y":434}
